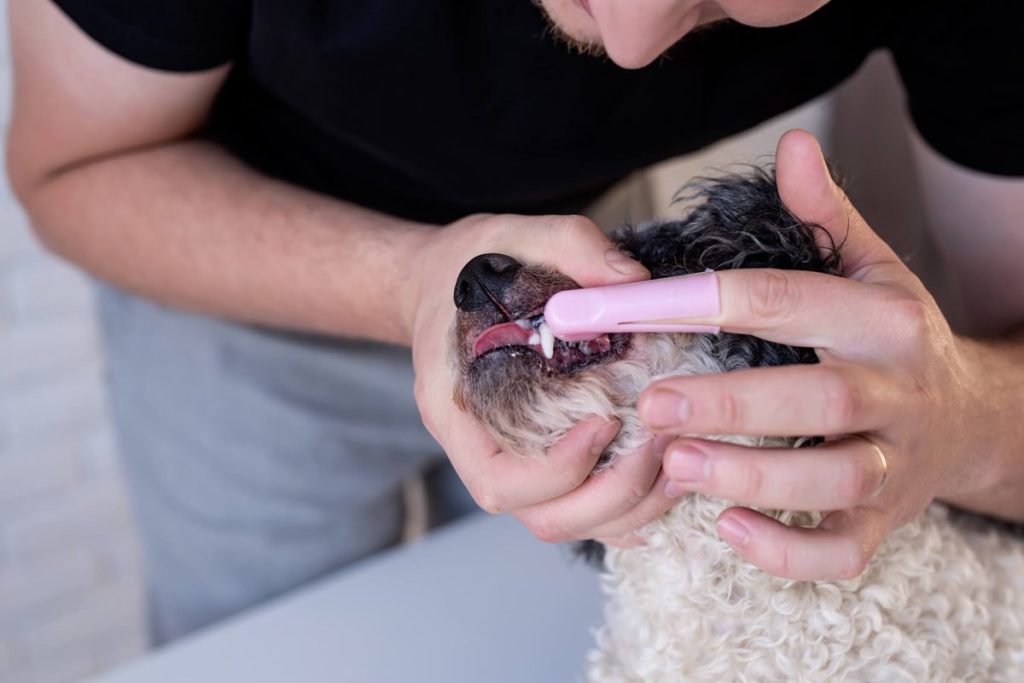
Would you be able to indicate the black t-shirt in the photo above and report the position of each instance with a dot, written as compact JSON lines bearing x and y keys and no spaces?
{"x":433,"y":109}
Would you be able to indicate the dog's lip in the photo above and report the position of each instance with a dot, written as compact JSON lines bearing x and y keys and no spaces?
{"x":501,"y":335}
{"x":516,"y":336}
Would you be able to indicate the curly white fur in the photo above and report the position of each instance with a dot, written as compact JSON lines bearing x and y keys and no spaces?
{"x":940,"y":600}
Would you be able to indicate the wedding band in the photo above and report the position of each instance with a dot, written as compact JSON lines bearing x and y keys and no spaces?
{"x":881,"y":459}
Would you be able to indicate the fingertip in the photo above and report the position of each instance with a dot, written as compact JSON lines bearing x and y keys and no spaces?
{"x":582,"y":251}
{"x":804,"y":182}
{"x":586,"y":440}
{"x":603,"y":436}
{"x":625,"y":269}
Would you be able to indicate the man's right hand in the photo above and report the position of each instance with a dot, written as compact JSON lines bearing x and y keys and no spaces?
{"x":554,"y":497}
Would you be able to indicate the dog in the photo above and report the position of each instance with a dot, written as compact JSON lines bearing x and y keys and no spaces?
{"x":943,"y":597}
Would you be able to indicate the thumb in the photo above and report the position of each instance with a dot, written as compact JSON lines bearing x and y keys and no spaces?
{"x":809,"y":193}
{"x":582,"y":251}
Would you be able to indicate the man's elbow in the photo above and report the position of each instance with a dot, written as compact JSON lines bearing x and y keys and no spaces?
{"x":30,"y":177}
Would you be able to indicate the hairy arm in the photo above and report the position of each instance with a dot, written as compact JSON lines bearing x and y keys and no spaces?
{"x":978,"y":221}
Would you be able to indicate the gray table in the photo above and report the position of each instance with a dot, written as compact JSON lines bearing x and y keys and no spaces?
{"x":479,"y":601}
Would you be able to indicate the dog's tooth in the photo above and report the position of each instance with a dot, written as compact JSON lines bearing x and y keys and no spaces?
{"x":547,"y":340}
{"x":524,"y":323}
{"x":534,"y":339}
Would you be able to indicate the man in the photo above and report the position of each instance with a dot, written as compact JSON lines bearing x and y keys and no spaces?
{"x":287,"y":165}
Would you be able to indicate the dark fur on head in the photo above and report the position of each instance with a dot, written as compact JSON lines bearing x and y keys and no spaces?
{"x":735,"y":221}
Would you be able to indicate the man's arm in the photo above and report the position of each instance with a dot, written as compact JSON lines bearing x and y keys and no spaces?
{"x":978,"y":222}
{"x":98,"y":153}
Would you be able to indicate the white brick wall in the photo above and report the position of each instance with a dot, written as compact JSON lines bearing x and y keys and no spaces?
{"x":70,"y":595}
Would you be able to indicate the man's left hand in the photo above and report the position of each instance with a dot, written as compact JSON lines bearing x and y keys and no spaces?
{"x":894,"y":395}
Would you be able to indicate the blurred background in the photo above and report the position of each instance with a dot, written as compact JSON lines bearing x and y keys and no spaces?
{"x":70,"y":595}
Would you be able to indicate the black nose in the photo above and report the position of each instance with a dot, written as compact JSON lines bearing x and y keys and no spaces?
{"x":484,"y":280}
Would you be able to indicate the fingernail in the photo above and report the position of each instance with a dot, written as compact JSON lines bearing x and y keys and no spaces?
{"x":688,"y":465}
{"x":733,"y":532}
{"x":622,"y":263}
{"x":667,"y":408}
{"x":603,"y":437}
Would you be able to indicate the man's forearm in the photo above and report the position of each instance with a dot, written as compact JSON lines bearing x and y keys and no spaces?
{"x":190,"y":226}
{"x":998,"y":439}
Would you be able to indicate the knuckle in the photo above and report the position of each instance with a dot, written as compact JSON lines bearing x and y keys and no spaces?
{"x":911,"y":318}
{"x":854,"y":484}
{"x":784,"y":563}
{"x":485,"y":498}
{"x":571,"y":231}
{"x":570,"y":473}
{"x":772,"y":296}
{"x":635,"y":495}
{"x":841,"y":401}
{"x":546,"y":530}
{"x":419,"y":390}
{"x":730,"y":411}
{"x":575,"y":227}
{"x":852,"y":560}
{"x":753,"y":481}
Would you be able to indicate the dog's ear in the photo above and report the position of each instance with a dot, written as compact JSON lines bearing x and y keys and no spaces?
{"x":734,"y":221}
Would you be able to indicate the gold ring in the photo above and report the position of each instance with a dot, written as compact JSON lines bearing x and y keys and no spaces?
{"x":881,"y":459}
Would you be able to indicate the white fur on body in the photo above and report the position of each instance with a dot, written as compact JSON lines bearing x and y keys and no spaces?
{"x":938,"y":602}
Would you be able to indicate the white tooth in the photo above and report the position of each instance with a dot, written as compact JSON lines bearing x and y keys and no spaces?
{"x":585,"y":348}
{"x":524,"y":323}
{"x":534,"y":339}
{"x":547,"y":340}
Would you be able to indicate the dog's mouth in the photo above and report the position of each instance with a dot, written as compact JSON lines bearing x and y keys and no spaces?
{"x":531,"y":335}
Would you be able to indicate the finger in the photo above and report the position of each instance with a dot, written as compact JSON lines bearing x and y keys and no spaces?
{"x":575,"y":246}
{"x":802,"y":308}
{"x":501,"y":481}
{"x":619,"y":532}
{"x":793,"y":400}
{"x":832,"y":476}
{"x":839,"y":548}
{"x":809,"y":193}
{"x":605,"y":496}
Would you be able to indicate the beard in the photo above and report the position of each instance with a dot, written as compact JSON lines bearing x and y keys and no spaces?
{"x":575,"y":44}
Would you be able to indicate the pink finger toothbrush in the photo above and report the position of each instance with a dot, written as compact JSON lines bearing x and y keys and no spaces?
{"x":662,"y":305}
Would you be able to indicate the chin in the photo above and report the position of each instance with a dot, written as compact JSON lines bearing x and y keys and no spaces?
{"x":761,"y":14}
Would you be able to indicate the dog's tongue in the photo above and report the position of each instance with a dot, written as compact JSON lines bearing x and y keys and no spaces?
{"x":496,"y":336}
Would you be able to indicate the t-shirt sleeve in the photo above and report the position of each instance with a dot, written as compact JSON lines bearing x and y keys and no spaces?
{"x":962,"y":63}
{"x":171,"y":35}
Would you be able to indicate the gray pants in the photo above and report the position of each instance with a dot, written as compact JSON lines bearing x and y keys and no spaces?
{"x":257,"y":460}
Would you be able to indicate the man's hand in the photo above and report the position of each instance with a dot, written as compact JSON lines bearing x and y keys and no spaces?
{"x":895,"y":393}
{"x":554,"y":496}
